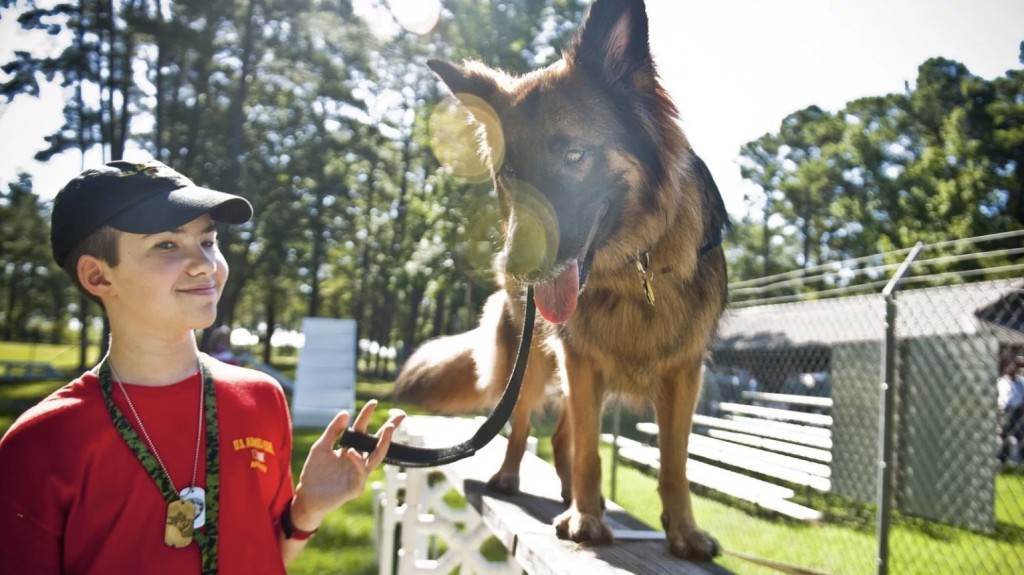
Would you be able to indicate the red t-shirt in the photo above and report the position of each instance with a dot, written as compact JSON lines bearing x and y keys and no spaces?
{"x":75,"y":499}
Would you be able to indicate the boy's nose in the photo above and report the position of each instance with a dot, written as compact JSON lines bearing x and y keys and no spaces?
{"x":203,"y":262}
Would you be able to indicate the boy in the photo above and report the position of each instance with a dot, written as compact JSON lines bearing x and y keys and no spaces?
{"x":161,"y":459}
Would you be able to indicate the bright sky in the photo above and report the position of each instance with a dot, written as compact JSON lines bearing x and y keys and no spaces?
{"x":734,"y":67}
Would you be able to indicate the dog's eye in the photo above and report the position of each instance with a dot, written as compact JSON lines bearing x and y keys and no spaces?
{"x":573,"y":156}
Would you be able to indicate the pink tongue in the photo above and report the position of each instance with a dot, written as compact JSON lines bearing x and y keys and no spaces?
{"x":556,"y":299}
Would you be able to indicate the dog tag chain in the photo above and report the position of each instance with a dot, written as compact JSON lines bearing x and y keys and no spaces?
{"x":192,"y":512}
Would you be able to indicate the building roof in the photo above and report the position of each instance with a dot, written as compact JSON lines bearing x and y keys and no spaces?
{"x":995,"y":307}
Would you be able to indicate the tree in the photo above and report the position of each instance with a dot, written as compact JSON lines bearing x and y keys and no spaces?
{"x":35,"y":294}
{"x":883,"y":173}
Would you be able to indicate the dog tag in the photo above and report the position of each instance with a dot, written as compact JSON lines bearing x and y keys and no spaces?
{"x":648,"y":290}
{"x":645,"y":281}
{"x":180,"y":517}
{"x":196,"y":496}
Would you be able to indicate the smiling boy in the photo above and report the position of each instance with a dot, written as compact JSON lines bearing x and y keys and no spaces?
{"x":161,"y":459}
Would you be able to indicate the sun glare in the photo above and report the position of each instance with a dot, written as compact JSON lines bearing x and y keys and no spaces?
{"x":453,"y":138}
{"x":416,"y":16}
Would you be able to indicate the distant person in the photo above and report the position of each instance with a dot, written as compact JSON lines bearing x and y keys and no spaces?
{"x":162,"y":459}
{"x":219,"y":346}
{"x":1010,"y":401}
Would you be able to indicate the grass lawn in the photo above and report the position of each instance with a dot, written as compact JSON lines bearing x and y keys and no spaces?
{"x":845,"y":545}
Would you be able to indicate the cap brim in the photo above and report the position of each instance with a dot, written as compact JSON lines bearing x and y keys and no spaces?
{"x":164,"y":211}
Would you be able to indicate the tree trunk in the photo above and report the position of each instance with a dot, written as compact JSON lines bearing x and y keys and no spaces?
{"x":415,"y":303}
{"x":317,"y":227}
{"x":204,"y":55}
{"x":270,"y":311}
{"x":12,"y":300}
{"x":161,"y":60}
{"x":363,"y":289}
{"x":439,"y":308}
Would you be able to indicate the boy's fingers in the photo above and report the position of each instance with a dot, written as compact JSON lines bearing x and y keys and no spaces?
{"x":334,"y":430}
{"x":397,"y":417}
{"x":383,"y":443}
{"x":384,"y":436}
{"x":363,"y":419}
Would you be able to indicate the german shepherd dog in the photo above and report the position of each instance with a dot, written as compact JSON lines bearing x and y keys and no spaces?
{"x":608,"y":212}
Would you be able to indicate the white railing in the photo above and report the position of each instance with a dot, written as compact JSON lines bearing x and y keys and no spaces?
{"x":415,"y":500}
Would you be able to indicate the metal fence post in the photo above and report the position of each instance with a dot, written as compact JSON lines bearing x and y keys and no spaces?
{"x":887,"y":391}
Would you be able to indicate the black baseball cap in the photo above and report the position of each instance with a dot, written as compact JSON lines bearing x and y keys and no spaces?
{"x":136,"y":197}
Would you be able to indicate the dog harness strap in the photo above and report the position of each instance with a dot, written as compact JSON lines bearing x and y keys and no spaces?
{"x":412,"y":456}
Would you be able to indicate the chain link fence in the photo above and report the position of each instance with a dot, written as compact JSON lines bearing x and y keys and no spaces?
{"x":921,"y":474}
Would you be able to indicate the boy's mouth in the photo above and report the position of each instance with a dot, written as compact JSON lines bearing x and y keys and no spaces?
{"x":205,"y":289}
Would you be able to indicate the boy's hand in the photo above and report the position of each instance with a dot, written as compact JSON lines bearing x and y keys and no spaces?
{"x":330,"y":477}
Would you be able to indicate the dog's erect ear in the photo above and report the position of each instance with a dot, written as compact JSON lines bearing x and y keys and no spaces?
{"x":469,"y":79}
{"x":613,"y":41}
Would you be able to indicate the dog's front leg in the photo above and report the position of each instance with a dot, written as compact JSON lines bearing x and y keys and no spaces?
{"x":674,"y":410}
{"x":561,"y":448}
{"x":583,"y":520}
{"x":538,"y":373}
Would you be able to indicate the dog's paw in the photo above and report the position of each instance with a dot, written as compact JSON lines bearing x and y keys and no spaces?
{"x":695,"y":545}
{"x":582,"y":527}
{"x":504,"y":483}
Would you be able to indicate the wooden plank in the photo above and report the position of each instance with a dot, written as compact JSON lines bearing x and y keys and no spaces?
{"x":777,"y":414}
{"x":523,"y":522}
{"x":697,"y":471}
{"x":731,"y":482}
{"x":805,"y":435}
{"x":755,"y":460}
{"x":794,"y":510}
{"x":788,"y":398}
{"x":821,"y":455}
{"x":803,"y":465}
{"x":761,"y":493}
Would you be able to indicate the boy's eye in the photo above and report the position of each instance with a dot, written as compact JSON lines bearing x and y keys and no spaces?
{"x":165,"y":245}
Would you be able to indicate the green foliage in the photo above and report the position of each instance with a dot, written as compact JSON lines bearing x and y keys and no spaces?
{"x":35,"y":294}
{"x":939,"y":162}
{"x":319,"y":115}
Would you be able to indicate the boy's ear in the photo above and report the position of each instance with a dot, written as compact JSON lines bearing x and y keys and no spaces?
{"x":92,"y":274}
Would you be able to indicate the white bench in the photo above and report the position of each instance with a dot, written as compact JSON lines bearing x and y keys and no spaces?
{"x":789,"y":432}
{"x":793,"y":448}
{"x":786,"y":399}
{"x":761,"y":493}
{"x":24,"y":371}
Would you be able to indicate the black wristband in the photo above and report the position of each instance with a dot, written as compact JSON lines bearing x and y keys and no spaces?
{"x":289,"y":529}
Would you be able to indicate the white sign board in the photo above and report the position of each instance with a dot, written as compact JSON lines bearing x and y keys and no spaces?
{"x":325,"y":380}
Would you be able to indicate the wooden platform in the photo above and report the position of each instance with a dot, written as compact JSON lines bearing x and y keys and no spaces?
{"x":524,"y":522}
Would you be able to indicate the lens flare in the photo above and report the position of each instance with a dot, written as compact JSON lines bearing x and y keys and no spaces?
{"x":416,"y":16}
{"x":533,"y":243}
{"x":479,"y":238}
{"x":453,"y":136}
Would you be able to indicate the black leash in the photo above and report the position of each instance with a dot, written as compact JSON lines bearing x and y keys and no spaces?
{"x":412,"y":456}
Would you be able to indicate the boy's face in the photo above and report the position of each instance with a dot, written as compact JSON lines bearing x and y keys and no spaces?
{"x":169,"y":280}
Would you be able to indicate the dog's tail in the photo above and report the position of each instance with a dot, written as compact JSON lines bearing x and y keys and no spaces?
{"x":460,"y":373}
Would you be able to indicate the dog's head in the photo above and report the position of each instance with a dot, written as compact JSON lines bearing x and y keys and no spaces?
{"x":573,"y":149}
